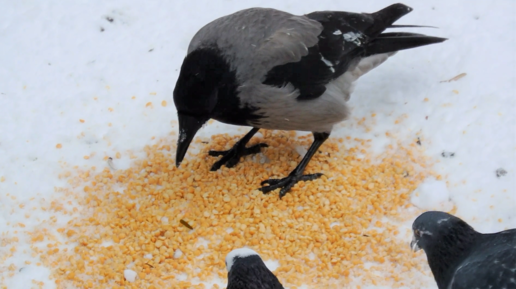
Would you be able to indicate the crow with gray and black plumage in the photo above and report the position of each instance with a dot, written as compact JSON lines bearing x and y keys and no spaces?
{"x":269,"y":69}
{"x":246,"y":270}
{"x":462,"y":258}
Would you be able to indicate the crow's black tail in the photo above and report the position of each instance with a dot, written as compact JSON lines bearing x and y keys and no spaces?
{"x":390,"y":42}
{"x":394,"y":41}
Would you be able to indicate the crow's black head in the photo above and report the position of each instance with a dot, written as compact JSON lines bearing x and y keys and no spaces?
{"x":196,"y":93}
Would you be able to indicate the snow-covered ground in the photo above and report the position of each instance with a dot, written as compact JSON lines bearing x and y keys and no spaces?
{"x":81,"y":80}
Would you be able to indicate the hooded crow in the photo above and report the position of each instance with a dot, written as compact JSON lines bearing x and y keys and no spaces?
{"x":462,"y":258}
{"x":269,"y":69}
{"x":246,"y":270}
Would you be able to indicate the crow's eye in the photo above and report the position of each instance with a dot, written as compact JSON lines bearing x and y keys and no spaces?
{"x":199,"y":76}
{"x":417,"y":233}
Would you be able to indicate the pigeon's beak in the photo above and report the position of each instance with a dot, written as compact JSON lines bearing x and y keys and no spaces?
{"x":188,"y":127}
{"x":413,"y":244}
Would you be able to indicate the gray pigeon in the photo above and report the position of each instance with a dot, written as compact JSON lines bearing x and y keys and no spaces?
{"x":246,"y":270}
{"x":462,"y":258}
{"x":269,"y":69}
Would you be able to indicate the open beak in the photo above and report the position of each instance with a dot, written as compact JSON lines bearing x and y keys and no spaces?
{"x":188,"y":127}
{"x":413,"y":244}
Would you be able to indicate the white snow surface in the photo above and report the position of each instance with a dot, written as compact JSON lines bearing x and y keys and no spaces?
{"x":63,"y":61}
{"x":129,"y":275}
{"x":432,"y":195}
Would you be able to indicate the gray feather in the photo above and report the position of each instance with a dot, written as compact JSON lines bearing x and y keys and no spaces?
{"x":265,"y":38}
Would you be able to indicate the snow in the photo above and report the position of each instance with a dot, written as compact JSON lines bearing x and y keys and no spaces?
{"x":271,"y":264}
{"x":28,"y":273}
{"x":177,"y":254}
{"x":70,"y":77}
{"x":432,"y":195}
{"x":129,"y":275}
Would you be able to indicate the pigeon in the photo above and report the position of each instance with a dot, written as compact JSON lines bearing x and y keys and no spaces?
{"x":246,"y":270}
{"x":269,"y":69}
{"x":462,"y":258}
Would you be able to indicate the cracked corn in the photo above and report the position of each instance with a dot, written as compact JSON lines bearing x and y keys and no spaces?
{"x":327,"y":231}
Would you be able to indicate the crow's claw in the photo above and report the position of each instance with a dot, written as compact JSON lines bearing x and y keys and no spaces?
{"x":286,"y":183}
{"x":232,"y":156}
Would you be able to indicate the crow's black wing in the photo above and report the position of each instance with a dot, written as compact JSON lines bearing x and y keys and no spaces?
{"x":345,"y":39}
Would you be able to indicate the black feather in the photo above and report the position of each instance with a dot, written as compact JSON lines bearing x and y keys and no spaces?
{"x":311,"y":74}
{"x":251,"y":273}
{"x":207,"y":83}
{"x":461,"y":257}
{"x":410,"y":26}
{"x":401,"y":41}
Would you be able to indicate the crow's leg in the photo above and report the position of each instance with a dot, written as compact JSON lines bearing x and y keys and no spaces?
{"x":297,"y":174}
{"x":232,"y":156}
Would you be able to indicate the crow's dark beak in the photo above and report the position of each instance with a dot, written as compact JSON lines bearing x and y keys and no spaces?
{"x":188,"y":127}
{"x":413,"y":244}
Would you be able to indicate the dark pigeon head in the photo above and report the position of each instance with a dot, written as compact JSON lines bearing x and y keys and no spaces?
{"x":246,"y":270}
{"x":242,"y":256}
{"x":432,"y":228}
{"x":446,"y":241}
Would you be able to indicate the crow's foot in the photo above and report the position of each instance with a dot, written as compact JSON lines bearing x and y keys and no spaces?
{"x":286,"y":183}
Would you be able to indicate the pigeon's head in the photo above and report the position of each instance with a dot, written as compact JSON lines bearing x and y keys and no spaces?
{"x":433,"y":228}
{"x":241,"y":256}
{"x":196,"y":94}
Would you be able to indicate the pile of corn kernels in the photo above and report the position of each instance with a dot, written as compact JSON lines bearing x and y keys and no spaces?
{"x":324,"y":233}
